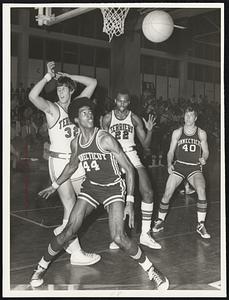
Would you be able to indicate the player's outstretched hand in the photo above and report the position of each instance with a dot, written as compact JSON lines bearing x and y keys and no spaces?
{"x":202,"y":161}
{"x":150,"y":123}
{"x":129,"y":210}
{"x":47,"y":192}
{"x":51,"y":67}
{"x":170,"y":169}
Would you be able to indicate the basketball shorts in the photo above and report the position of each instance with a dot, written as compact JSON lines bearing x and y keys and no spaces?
{"x":97,"y":194}
{"x":185,"y":170}
{"x":57,"y":165}
{"x":134,"y":158}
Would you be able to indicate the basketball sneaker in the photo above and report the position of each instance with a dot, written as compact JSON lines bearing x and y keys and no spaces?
{"x":147,"y":240}
{"x":82,"y":258}
{"x":158,"y":225}
{"x":113,"y":246}
{"x":159,"y":280}
{"x":202,"y":231}
{"x":37,"y":277}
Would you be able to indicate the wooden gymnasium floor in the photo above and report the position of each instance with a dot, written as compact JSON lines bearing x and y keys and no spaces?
{"x":189,"y":262}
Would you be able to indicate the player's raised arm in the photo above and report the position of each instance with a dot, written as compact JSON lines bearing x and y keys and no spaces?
{"x":144,"y":138}
{"x":170,"y":155}
{"x":34,"y":95}
{"x":106,"y":121}
{"x":89,"y":82}
{"x":69,"y":169}
{"x":204,"y":146}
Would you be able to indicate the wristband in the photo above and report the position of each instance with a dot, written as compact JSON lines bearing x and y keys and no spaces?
{"x":55,"y":185}
{"x":130,"y":198}
{"x":48,"y":77}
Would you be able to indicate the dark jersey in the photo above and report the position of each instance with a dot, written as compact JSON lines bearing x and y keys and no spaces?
{"x":100,"y":166}
{"x":188,"y":148}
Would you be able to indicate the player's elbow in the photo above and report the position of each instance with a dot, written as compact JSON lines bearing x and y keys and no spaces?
{"x":32,"y":96}
{"x":94,"y":82}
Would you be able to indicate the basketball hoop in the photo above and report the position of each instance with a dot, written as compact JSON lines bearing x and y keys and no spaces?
{"x":113,"y":20}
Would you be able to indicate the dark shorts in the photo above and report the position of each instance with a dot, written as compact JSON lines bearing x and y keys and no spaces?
{"x":97,"y":194}
{"x":186,"y":171}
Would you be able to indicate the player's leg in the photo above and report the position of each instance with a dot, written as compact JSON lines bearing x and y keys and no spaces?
{"x":65,"y":191}
{"x":172,"y":183}
{"x":116,"y":226}
{"x":80,"y":210}
{"x":78,"y":256}
{"x":198,"y":182}
{"x":146,"y":192}
{"x":68,"y":197}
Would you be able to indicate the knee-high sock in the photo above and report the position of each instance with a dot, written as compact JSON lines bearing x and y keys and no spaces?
{"x":201,"y":210}
{"x":53,"y":249}
{"x":163,"y":210}
{"x":147,"y":210}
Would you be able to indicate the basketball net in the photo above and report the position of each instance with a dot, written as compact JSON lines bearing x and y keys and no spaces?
{"x":113,"y":20}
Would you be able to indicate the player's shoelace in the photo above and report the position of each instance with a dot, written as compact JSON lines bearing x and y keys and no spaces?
{"x":202,"y":228}
{"x":151,"y":239}
{"x":88,"y":254}
{"x":153,"y":275}
{"x":38,"y":273}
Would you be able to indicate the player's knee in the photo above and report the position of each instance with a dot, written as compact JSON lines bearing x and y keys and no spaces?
{"x":119,"y":238}
{"x":69,"y":232}
{"x":148,"y":195}
{"x":201,"y":190}
{"x":68,"y":203}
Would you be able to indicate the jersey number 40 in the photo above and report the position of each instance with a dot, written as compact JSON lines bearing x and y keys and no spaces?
{"x":190,"y":148}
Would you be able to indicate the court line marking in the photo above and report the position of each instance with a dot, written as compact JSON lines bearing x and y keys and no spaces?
{"x":60,"y":206}
{"x":100,"y":219}
{"x":33,"y":222}
{"x":216,"y":284}
{"x":80,"y":286}
{"x":55,"y":261}
{"x":34,"y":209}
{"x":107,"y":250}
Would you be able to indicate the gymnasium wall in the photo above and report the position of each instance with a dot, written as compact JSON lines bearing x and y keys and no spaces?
{"x":168,"y":87}
{"x":37,"y":69}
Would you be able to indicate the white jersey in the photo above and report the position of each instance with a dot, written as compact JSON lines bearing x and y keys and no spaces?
{"x":62,"y":133}
{"x":122,"y":131}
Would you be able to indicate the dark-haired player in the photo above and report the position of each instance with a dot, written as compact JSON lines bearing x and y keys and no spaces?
{"x":100,"y":155}
{"x":61,"y":133}
{"x":189,"y":146}
{"x":123,"y":124}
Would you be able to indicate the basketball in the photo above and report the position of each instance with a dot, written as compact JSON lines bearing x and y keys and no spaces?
{"x":157,"y":26}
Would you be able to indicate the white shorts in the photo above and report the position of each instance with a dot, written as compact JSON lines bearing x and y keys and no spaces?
{"x":57,"y":165}
{"x":134,"y":158}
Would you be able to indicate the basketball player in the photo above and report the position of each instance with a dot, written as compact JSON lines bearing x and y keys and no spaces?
{"x":61,"y":133}
{"x":122,"y":124}
{"x":100,"y":156}
{"x":189,"y":144}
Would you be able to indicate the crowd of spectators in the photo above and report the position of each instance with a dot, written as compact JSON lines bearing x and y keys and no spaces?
{"x":29,"y":132}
